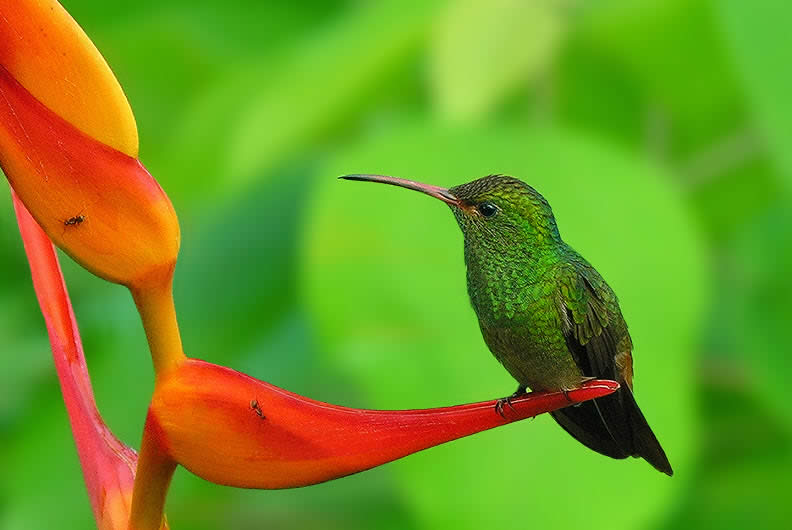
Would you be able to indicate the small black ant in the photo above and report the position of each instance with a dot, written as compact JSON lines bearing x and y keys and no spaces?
{"x":255,"y":406}
{"x":77,"y":219}
{"x":73,"y":221}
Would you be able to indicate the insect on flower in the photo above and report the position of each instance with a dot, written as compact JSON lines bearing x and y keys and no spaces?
{"x":77,"y":219}
{"x":255,"y":406}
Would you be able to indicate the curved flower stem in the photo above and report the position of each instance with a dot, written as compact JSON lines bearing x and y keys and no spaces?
{"x":154,"y":472}
{"x":158,"y":313}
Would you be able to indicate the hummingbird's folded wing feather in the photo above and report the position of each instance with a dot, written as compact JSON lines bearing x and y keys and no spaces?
{"x":593,"y":331}
{"x":594,"y":328}
{"x":597,"y":337}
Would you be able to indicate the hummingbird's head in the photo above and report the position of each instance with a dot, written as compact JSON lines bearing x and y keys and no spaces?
{"x":493,"y":207}
{"x":504,"y":205}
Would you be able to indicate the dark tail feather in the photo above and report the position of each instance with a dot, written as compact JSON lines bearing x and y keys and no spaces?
{"x":645,"y":444}
{"x":614,"y":426}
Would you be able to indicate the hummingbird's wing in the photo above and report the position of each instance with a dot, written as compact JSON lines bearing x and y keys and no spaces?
{"x":593,"y":326}
{"x":597,"y":338}
{"x":586,"y":317}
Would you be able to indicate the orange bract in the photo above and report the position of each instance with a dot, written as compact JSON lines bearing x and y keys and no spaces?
{"x":98,"y":204}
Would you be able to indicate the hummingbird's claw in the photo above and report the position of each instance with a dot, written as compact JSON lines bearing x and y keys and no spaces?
{"x":507,"y":401}
{"x":499,"y":406}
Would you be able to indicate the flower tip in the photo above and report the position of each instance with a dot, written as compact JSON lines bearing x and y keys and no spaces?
{"x":593,"y":389}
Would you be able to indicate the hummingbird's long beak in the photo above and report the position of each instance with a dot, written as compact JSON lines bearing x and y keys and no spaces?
{"x":435,"y":191}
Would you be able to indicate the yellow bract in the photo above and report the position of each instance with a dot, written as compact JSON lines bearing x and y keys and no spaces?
{"x":49,"y":54}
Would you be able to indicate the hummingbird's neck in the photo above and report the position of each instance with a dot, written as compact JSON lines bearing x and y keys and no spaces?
{"x":499,"y":272}
{"x":499,"y":252}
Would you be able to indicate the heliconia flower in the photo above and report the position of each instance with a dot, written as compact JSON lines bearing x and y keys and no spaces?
{"x":232,"y":429}
{"x":68,"y":144}
{"x":108,"y":465}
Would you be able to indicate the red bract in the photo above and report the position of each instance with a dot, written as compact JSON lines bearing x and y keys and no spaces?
{"x":108,"y":465}
{"x":232,"y":429}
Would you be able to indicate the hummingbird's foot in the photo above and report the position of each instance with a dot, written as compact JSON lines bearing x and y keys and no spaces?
{"x":500,"y":404}
{"x":507,"y":401}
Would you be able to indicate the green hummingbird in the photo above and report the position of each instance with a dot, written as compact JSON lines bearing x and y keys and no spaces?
{"x":545,"y":313}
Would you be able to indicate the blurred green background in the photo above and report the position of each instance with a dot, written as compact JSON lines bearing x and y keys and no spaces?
{"x":657,"y":129}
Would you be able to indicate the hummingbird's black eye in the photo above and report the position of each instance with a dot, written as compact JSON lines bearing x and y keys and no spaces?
{"x":487,"y":209}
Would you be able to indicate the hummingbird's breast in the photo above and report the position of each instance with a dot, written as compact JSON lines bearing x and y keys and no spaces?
{"x":516,"y":298}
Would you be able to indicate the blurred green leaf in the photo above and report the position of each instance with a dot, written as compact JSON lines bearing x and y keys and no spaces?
{"x":370,"y":500}
{"x":656,"y":76}
{"x":195,"y":156}
{"x":13,"y":265}
{"x":327,"y":76}
{"x":755,"y":303}
{"x":674,"y":50}
{"x":725,"y":204}
{"x":600,"y":95}
{"x":30,"y":366}
{"x":482,"y":50}
{"x":41,"y":469}
{"x":385,"y":279}
{"x":27,"y":364}
{"x":758,"y":35}
{"x":210,"y":59}
{"x":742,"y":476}
{"x":187,"y":61}
{"x":244,"y":260}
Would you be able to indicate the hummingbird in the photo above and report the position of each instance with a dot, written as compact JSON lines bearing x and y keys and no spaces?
{"x":545,"y":313}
